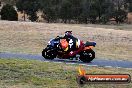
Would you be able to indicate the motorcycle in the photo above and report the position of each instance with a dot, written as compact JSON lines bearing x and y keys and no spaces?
{"x":54,"y":50}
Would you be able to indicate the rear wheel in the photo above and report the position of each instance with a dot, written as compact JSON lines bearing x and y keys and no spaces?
{"x":49,"y":53}
{"x":87,"y":55}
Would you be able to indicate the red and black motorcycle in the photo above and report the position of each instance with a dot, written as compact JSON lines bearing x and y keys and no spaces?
{"x":54,"y":50}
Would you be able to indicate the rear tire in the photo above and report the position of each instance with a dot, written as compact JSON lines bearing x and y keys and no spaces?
{"x":49,"y":53}
{"x":87,"y":55}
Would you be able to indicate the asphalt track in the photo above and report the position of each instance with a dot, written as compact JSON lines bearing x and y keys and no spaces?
{"x":95,"y":62}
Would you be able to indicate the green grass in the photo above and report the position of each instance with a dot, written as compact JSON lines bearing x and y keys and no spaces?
{"x":16,"y":73}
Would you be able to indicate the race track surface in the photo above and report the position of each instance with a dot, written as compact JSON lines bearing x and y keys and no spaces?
{"x":95,"y":62}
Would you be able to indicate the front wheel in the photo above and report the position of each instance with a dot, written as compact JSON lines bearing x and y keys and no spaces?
{"x":87,"y":55}
{"x":49,"y":53}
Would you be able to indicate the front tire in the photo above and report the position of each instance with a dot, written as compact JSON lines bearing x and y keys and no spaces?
{"x":87,"y":55}
{"x":49,"y":53}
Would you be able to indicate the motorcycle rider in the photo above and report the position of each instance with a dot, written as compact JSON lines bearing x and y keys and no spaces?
{"x":71,"y":44}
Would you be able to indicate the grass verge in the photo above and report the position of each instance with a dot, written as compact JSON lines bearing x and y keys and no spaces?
{"x":16,"y":73}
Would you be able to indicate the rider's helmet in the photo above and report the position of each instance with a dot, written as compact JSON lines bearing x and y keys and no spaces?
{"x":67,"y":33}
{"x":64,"y":44}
